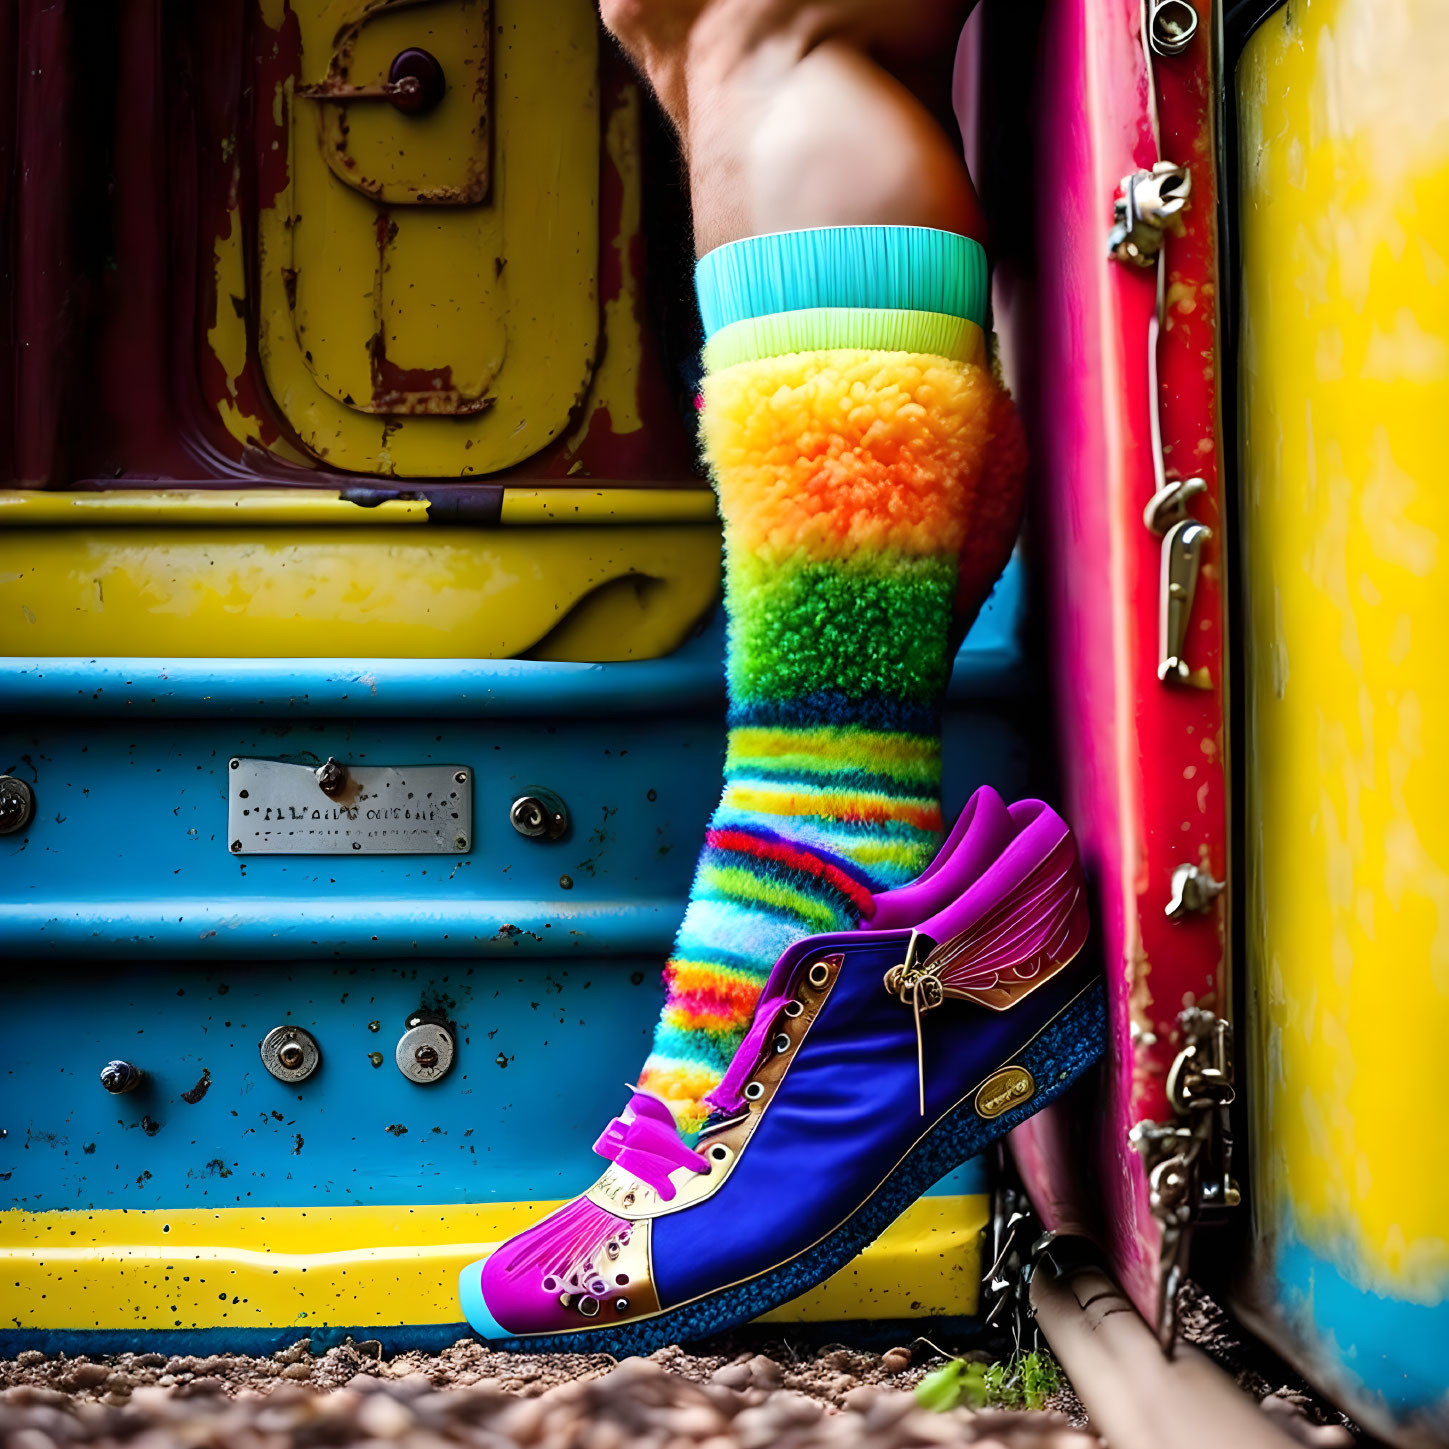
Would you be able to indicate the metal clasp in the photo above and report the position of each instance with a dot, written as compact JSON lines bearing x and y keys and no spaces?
{"x":1181,"y":559}
{"x":1147,"y":203}
{"x":1189,"y":1160}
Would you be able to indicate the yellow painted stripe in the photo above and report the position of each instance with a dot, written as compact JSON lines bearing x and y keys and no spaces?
{"x":254,"y":1268}
{"x":609,"y":505}
{"x":177,"y":507}
{"x":168,"y":507}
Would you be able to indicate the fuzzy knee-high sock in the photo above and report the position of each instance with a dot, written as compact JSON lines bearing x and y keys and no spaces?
{"x":850,"y":423}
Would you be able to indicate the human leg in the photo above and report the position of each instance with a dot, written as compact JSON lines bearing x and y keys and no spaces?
{"x":868,"y":468}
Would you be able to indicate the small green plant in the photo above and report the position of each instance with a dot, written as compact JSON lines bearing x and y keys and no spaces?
{"x":1025,"y":1381}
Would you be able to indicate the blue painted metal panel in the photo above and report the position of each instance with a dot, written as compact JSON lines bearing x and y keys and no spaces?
{"x":180,"y":955}
{"x":544,"y":1052}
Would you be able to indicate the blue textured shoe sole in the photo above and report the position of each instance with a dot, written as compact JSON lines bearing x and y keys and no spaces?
{"x":1056,"y":1057}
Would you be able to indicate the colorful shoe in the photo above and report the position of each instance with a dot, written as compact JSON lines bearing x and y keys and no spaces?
{"x":877,"y":1061}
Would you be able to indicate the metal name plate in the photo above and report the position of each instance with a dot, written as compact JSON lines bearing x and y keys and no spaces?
{"x":275,"y":808}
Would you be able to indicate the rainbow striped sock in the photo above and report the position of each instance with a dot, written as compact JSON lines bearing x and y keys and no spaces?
{"x":848,"y":461}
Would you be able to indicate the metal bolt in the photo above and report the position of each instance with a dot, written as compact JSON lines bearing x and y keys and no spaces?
{"x":426,"y":1056}
{"x":17,"y":804}
{"x":118,"y":1077}
{"x":461,"y":778}
{"x":332,"y":778}
{"x":415,"y":82}
{"x":540,"y":815}
{"x":291,"y":1056}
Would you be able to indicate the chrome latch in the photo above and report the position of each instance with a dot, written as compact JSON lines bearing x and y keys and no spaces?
{"x":1168,"y":505}
{"x":1147,"y":203}
{"x":1181,"y":559}
{"x":1189,"y":1160}
{"x":1194,"y":889}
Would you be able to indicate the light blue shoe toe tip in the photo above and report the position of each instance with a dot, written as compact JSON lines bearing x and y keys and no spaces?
{"x":475,"y":1309}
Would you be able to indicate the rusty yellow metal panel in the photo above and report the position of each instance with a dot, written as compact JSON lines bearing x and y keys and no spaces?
{"x":422,"y":314}
{"x":306,"y":573}
{"x":316,"y":1267}
{"x":1344,"y":123}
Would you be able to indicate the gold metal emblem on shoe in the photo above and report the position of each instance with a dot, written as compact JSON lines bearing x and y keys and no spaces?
{"x":1003,"y":1090}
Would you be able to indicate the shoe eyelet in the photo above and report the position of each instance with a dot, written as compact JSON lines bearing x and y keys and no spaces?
{"x":782,"y":1043}
{"x":819,"y":974}
{"x":794,"y":1008}
{"x":588,"y":1306}
{"x":621,"y":1305}
{"x":719,"y":1152}
{"x":753,"y":1092}
{"x":622,"y":1279}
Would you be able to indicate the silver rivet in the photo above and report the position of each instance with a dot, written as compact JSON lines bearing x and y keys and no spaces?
{"x":290,"y":1053}
{"x":719,"y":1152}
{"x":819,"y":974}
{"x":621,"y":1305}
{"x":793,"y":1008}
{"x":17,"y":804}
{"x":753,"y":1092}
{"x":424,"y":1053}
{"x":782,"y":1042}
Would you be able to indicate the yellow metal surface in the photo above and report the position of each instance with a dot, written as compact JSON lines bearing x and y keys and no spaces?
{"x":434,"y":339}
{"x":586,"y":574}
{"x":388,"y":590}
{"x":165,"y":507}
{"x":1344,"y":112}
{"x":307,"y":1268}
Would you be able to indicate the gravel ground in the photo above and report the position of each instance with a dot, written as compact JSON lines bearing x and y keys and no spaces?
{"x":353,"y":1395}
{"x":467,"y":1396}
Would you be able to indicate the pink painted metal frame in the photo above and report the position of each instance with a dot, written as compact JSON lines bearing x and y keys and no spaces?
{"x":1143,"y":762}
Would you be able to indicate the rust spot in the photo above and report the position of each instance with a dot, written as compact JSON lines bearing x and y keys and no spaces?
{"x":297,"y":1145}
{"x":150,"y":1127}
{"x":398,"y":1130}
{"x":199,"y":1090}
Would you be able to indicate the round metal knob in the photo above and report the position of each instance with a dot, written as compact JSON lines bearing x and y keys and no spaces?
{"x":121,"y":1077}
{"x":540,"y":815}
{"x":290,"y":1053}
{"x":425,"y":1052}
{"x":415,"y":82}
{"x":17,"y":804}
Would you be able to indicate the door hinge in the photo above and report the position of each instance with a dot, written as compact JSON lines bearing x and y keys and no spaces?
{"x":1189,"y":1160}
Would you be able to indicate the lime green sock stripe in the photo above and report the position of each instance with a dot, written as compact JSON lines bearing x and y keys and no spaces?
{"x":749,"y":888}
{"x":823,"y":329}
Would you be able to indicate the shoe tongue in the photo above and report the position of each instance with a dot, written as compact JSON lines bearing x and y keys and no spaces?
{"x":1032,"y":841}
{"x":991,"y":831}
{"x":988,"y":831}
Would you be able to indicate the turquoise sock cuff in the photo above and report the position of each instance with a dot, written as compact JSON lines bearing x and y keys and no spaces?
{"x":913,"y":268}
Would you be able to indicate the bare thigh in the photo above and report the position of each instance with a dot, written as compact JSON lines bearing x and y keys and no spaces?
{"x":797,"y":113}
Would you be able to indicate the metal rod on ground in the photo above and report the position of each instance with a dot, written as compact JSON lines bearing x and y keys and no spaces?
{"x":1136,"y":1397}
